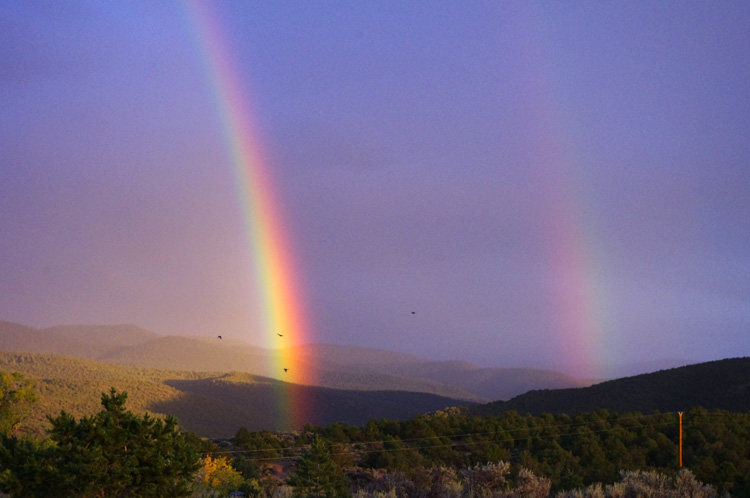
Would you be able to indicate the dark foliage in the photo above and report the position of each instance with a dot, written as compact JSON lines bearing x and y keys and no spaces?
{"x":571,"y":451}
{"x":317,"y":475}
{"x":113,"y":453}
{"x":722,"y":384}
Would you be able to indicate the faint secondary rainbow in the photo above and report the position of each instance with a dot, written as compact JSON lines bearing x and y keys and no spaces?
{"x":283,"y":322}
{"x":575,"y":276}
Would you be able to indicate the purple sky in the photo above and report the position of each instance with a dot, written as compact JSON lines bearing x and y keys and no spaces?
{"x":544,"y":183}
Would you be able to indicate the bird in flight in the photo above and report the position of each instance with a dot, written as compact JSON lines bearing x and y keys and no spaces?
{"x":413,"y":312}
{"x":219,"y":337}
{"x":280,"y":335}
{"x":286,"y":369}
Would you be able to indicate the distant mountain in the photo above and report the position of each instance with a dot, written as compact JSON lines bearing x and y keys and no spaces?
{"x":335,"y":366}
{"x":186,"y":353}
{"x":489,"y":383}
{"x":82,"y":341}
{"x":211,"y":404}
{"x":191,"y":353}
{"x":722,"y":384}
{"x":334,"y":354}
{"x":480,"y":383}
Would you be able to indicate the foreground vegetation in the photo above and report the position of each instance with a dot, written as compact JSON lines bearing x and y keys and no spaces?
{"x":445,"y":454}
{"x":113,"y":453}
{"x":572,"y":452}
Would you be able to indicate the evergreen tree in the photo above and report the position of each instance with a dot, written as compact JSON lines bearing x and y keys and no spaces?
{"x":317,"y":475}
{"x":111,"y":454}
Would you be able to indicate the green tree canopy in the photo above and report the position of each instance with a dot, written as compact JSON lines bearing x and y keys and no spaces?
{"x":111,"y":454}
{"x":318,"y":475}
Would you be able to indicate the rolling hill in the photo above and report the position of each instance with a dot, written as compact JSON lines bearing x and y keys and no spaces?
{"x":722,"y":384}
{"x":214,"y":387}
{"x":81,"y":341}
{"x":482,"y":383}
{"x":489,"y":383}
{"x":337,"y":367}
{"x":212,"y":404}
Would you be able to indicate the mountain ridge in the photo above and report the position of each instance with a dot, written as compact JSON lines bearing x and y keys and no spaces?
{"x":212,"y":404}
{"x":719,"y":384}
{"x":355,"y":383}
{"x":336,"y":366}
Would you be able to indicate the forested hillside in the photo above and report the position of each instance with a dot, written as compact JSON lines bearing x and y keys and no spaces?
{"x":570,"y":451}
{"x":722,"y":384}
{"x":372,"y":430}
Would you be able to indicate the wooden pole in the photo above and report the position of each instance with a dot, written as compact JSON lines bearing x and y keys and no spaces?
{"x":680,"y":439}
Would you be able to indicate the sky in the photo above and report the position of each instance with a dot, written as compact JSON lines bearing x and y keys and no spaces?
{"x":550,"y":184}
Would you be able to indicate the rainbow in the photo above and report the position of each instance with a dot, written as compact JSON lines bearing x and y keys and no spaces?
{"x":575,"y":270}
{"x":283,"y":322}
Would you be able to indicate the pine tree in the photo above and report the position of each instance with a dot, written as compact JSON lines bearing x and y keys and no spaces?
{"x":111,"y":454}
{"x":317,"y":475}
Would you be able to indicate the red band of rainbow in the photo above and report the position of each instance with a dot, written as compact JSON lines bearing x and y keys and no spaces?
{"x":283,"y":322}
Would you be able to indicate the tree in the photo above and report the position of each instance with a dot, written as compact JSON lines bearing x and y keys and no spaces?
{"x":262,"y":444}
{"x":112,"y":454}
{"x":317,"y":475}
{"x":16,"y":398}
{"x":218,"y":474}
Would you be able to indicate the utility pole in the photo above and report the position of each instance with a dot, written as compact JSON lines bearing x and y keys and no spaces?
{"x":680,"y":439}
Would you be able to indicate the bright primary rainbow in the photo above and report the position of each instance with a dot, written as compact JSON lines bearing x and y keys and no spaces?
{"x":283,"y":321}
{"x":576,"y":292}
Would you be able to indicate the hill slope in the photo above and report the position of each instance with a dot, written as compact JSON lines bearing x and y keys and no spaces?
{"x":339,"y":367}
{"x":81,"y":341}
{"x":480,"y":383}
{"x":722,"y":384}
{"x":489,"y":383}
{"x":212,"y":404}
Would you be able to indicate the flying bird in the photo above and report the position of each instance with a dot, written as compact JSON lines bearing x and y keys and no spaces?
{"x":219,"y":337}
{"x":413,"y":312}
{"x":286,"y":369}
{"x":280,"y":335}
